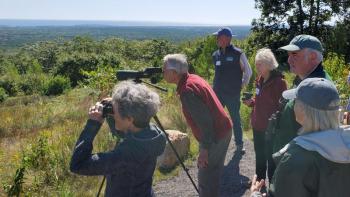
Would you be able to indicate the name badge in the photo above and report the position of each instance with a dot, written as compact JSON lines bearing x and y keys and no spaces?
{"x":218,"y":63}
{"x":257,"y":91}
{"x":229,"y":59}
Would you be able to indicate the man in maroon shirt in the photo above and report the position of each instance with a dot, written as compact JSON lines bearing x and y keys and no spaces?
{"x":210,"y":125}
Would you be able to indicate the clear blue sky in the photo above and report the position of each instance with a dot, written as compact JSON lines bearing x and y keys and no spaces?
{"x":222,"y":12}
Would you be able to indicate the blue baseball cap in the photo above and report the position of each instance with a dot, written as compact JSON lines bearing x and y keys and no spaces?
{"x":224,"y":31}
{"x":318,"y":93}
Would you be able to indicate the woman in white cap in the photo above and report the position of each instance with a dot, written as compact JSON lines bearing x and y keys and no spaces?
{"x":317,"y":162}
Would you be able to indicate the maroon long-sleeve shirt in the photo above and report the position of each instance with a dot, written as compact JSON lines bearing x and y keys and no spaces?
{"x":266,"y":100}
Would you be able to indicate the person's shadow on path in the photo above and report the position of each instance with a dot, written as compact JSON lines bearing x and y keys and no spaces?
{"x":233,"y":184}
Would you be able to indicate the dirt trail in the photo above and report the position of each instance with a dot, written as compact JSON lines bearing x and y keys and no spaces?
{"x":238,"y":170}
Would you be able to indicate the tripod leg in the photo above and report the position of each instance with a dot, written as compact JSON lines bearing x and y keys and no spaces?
{"x":99,"y":190}
{"x":176,"y":153}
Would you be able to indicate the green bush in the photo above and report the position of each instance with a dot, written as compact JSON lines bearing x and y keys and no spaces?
{"x":57,"y":85}
{"x":10,"y":85}
{"x":338,"y":69}
{"x":32,"y":83}
{"x":3,"y":94}
{"x":103,"y":78}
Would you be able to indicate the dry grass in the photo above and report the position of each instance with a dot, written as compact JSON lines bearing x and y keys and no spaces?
{"x":34,"y":125}
{"x":58,"y":121}
{"x":39,"y":133}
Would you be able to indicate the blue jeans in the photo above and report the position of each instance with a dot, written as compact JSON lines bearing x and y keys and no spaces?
{"x":233,"y":105}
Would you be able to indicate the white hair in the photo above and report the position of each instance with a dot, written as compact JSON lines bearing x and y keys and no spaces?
{"x":318,"y":120}
{"x":136,"y":101}
{"x":266,"y":57}
{"x":177,"y":62}
{"x":319,"y":55}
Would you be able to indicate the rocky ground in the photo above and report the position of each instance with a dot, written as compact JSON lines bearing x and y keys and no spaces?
{"x":238,"y":170}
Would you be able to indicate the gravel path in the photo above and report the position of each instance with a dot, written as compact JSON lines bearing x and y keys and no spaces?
{"x":238,"y":170}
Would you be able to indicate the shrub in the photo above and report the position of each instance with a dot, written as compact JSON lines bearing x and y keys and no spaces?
{"x":3,"y":94}
{"x":103,"y":78}
{"x":10,"y":85}
{"x":32,"y":83}
{"x":336,"y":66}
{"x":57,"y":85}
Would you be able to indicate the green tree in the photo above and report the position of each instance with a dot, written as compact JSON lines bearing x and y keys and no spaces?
{"x":9,"y":80}
{"x":339,"y":41}
{"x":199,"y":53}
{"x":72,"y":65}
{"x":46,"y":53}
{"x":155,"y":50}
{"x":281,"y":20}
{"x":22,"y":60}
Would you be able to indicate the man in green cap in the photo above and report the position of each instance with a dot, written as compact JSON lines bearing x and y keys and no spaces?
{"x":305,"y":61}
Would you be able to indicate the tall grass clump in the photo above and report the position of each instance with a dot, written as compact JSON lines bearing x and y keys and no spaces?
{"x":170,"y":113}
{"x":29,"y":114}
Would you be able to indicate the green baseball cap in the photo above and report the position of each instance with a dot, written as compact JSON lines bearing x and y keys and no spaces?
{"x":303,"y":41}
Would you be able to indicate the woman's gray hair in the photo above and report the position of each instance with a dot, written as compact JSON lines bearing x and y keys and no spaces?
{"x":318,"y":120}
{"x":177,"y":62}
{"x":266,"y":57}
{"x":136,"y":101}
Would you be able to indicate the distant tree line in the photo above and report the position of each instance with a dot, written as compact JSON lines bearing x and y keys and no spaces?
{"x":14,"y":37}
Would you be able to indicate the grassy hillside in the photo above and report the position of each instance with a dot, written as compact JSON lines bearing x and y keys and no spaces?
{"x":38,"y":136}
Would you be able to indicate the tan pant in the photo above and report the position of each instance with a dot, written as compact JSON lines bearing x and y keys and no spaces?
{"x":209,"y":177}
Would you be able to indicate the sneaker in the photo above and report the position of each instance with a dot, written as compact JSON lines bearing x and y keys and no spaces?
{"x":240,"y":149}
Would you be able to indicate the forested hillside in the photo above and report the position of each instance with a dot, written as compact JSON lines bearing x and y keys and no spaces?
{"x":11,"y":37}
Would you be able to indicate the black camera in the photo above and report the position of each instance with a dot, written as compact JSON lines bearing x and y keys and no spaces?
{"x":107,"y":108}
{"x":137,"y":75}
{"x":247,"y":96}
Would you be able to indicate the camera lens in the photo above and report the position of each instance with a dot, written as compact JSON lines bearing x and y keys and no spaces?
{"x":107,"y":109}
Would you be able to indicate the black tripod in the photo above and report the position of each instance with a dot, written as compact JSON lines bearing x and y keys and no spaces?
{"x":167,"y":138}
{"x":176,"y":153}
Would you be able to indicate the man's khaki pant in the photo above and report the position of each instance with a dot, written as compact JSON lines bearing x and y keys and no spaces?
{"x":209,"y":177}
